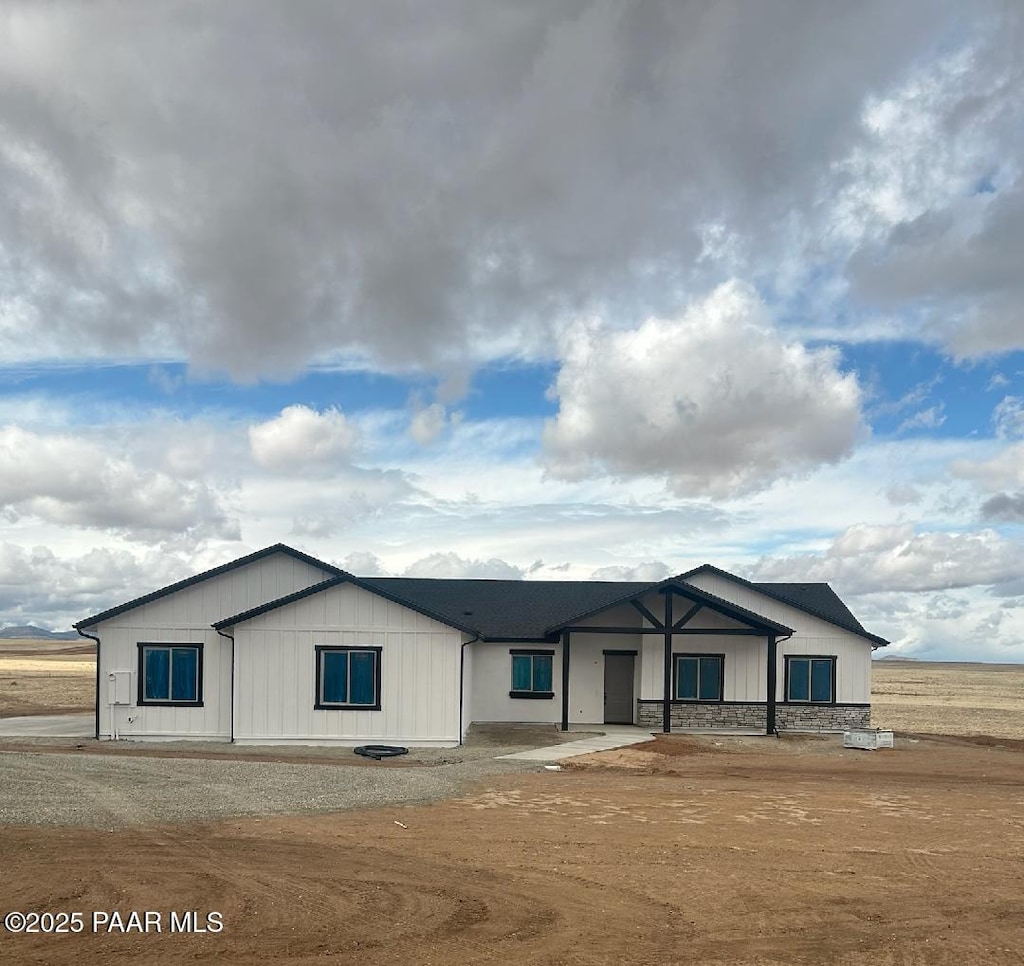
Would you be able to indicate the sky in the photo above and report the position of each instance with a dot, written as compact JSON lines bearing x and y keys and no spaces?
{"x":537,"y":290}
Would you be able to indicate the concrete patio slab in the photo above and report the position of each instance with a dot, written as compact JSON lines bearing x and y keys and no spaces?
{"x":49,"y":726}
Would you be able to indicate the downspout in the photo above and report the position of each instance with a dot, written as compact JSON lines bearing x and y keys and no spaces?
{"x":462,"y":681}
{"x":666,"y":714}
{"x":566,"y":644}
{"x":771,"y":684}
{"x":93,"y":637}
{"x":232,"y":699}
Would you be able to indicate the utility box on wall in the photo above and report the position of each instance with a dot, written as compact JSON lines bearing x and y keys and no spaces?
{"x":119,"y":687}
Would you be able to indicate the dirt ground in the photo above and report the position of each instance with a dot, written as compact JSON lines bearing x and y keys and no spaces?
{"x":684,"y":850}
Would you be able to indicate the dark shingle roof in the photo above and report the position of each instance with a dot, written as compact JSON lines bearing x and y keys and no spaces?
{"x":529,"y":609}
{"x":817,"y":599}
{"x":814,"y":597}
{"x":511,"y":609}
{"x":506,"y":609}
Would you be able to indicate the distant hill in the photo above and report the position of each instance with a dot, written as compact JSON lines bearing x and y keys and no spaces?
{"x":30,"y":630}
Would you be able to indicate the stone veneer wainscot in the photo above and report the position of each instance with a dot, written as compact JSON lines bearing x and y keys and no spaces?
{"x":753,"y":715}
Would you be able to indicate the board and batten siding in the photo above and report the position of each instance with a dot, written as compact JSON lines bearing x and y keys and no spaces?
{"x":184,"y":617}
{"x":275,"y":673}
{"x":812,"y":636}
{"x":744,"y":657}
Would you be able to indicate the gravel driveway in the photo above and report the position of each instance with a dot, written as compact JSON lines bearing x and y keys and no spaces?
{"x":59,"y":785}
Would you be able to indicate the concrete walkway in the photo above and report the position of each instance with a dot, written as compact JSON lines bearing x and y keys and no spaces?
{"x":48,"y":726}
{"x":617,"y":736}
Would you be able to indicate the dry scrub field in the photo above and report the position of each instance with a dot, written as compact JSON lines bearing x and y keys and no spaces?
{"x":949,"y":699}
{"x":46,"y":677}
{"x":704,"y":850}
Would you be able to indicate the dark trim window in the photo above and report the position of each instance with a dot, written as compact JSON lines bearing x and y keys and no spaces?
{"x":699,"y":677}
{"x":811,"y":679}
{"x":532,"y":674}
{"x":171,"y":674}
{"x":347,"y":677}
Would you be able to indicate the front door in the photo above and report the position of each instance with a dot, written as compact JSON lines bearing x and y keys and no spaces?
{"x":618,"y":688}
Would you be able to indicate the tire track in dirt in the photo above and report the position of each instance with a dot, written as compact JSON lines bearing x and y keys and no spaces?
{"x":557,"y":868}
{"x":285,"y":901}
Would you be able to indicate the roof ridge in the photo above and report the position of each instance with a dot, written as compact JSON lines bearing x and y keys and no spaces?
{"x":207,"y":575}
{"x":854,"y":626}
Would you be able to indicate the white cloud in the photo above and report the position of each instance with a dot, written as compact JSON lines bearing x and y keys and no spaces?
{"x":37,"y":584}
{"x":268,"y":188}
{"x":998,"y":381}
{"x":75,"y":481}
{"x":902,"y":494}
{"x":1008,"y":418}
{"x":452,"y":565}
{"x":930,"y":418}
{"x":935,"y":206}
{"x":717,"y":402}
{"x":364,"y":564}
{"x":428,"y":422}
{"x":301,"y":439}
{"x":869,"y":559}
{"x":649,"y":570}
{"x":165,"y":380}
{"x":1005,"y":469}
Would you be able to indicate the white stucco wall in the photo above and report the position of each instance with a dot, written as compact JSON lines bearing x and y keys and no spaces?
{"x":492,"y":681}
{"x":184,"y":617}
{"x":586,"y":665}
{"x":492,"y":674}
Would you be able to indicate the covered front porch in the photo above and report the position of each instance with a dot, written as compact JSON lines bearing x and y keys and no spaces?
{"x":675,"y":658}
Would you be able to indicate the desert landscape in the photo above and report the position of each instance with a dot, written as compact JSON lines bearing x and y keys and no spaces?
{"x":682,"y":850}
{"x":948,"y":699}
{"x":46,"y":677}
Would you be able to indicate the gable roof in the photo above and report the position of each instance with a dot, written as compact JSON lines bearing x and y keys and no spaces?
{"x":709,"y":600}
{"x":521,"y":610}
{"x":817,"y":599}
{"x":343,"y":577}
{"x":506,"y":609}
{"x":206,"y":575}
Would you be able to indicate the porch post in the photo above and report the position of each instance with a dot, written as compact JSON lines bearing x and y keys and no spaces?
{"x":666,"y":719}
{"x":773,"y":658}
{"x":565,"y":680}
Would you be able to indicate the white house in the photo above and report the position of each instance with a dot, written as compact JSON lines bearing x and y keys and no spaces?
{"x":278,"y":647}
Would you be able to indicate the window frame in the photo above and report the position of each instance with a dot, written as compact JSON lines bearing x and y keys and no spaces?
{"x":320,"y":649}
{"x":531,"y":653}
{"x":676,"y":658}
{"x":831,"y":658}
{"x":142,"y":700}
